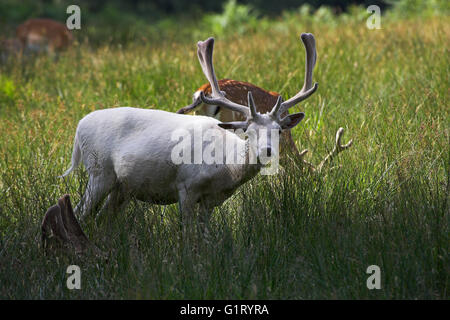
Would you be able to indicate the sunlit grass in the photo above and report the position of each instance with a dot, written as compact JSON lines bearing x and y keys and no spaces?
{"x":290,"y":236}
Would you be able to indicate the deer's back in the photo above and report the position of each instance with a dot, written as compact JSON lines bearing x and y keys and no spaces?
{"x":237,"y":92}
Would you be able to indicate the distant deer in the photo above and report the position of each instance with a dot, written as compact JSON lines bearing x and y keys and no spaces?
{"x":128,"y":151}
{"x":236,"y":91}
{"x":43,"y":35}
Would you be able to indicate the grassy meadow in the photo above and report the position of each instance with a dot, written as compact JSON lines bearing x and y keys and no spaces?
{"x":294,"y":235}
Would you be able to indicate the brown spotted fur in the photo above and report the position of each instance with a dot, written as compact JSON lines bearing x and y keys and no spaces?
{"x":237,"y":92}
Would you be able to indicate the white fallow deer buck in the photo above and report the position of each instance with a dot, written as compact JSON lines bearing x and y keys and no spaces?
{"x":236,"y":91}
{"x":43,"y":35}
{"x":128,"y":151}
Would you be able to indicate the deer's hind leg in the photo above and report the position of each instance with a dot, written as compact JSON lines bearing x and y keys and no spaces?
{"x":97,"y":189}
{"x":114,"y":203}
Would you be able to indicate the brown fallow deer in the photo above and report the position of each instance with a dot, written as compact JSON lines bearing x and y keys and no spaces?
{"x":43,"y":35}
{"x":236,"y":91}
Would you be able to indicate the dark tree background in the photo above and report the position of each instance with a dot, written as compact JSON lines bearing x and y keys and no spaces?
{"x":14,"y":11}
{"x":264,"y":6}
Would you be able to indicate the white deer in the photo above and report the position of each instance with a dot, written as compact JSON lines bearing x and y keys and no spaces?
{"x":127,"y":151}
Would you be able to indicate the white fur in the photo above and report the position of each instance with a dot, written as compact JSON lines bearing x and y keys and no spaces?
{"x":127,"y":152}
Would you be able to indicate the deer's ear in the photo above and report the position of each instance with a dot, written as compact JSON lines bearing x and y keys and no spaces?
{"x":234,"y":125}
{"x":292,"y":120}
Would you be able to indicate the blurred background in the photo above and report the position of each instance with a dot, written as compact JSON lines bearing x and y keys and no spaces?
{"x":118,"y":21}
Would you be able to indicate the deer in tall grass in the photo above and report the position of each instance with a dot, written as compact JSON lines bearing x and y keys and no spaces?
{"x":129,"y":151}
{"x":236,"y":91}
{"x":43,"y":35}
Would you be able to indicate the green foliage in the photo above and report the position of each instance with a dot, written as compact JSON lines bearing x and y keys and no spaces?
{"x":235,"y":19}
{"x":122,"y":27}
{"x":290,"y":236}
{"x":7,"y":90}
{"x":427,"y":8}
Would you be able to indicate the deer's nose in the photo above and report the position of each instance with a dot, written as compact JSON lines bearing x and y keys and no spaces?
{"x":267,"y":152}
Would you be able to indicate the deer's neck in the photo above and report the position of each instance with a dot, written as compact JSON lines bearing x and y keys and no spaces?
{"x":247,"y":169}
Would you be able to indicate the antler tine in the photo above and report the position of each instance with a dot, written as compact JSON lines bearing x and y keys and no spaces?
{"x":308,"y":89}
{"x":338,"y":147}
{"x":276,"y":109}
{"x":309,"y":43}
{"x":205,"y":53}
{"x":251,"y":104}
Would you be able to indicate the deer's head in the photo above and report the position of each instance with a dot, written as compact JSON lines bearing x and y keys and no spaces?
{"x":261,"y":128}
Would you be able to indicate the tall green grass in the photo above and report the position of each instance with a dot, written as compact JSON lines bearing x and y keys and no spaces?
{"x":290,"y":236}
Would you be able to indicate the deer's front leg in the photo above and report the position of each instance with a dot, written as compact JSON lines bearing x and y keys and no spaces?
{"x":206,"y":209}
{"x":187,"y":204}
